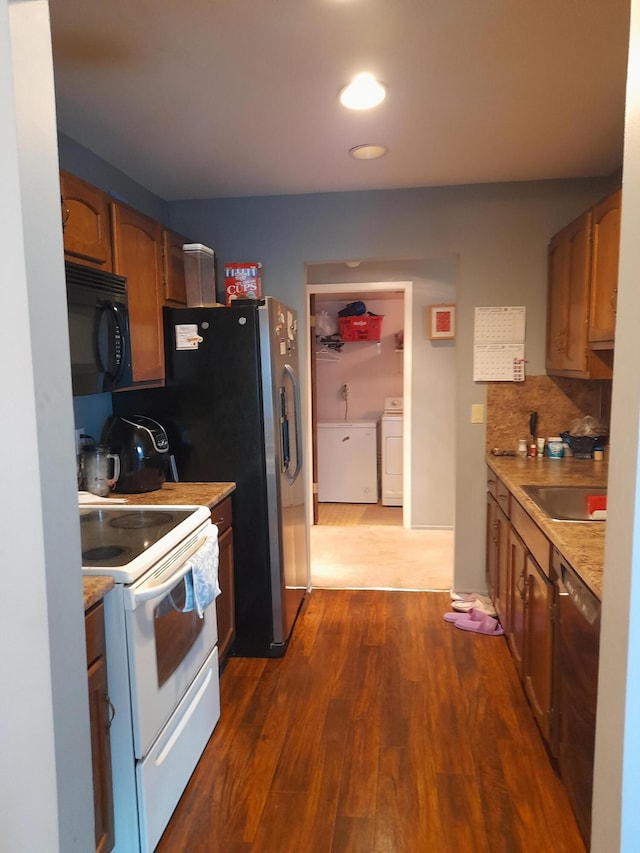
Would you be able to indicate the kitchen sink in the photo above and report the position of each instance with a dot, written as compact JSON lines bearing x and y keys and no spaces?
{"x":564,"y":503}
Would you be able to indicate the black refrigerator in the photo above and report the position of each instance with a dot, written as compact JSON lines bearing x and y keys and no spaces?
{"x":231,"y":409}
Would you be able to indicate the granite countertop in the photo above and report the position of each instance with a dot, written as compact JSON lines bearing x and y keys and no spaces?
{"x":95,"y":587}
{"x":580,"y":543}
{"x":183,"y":494}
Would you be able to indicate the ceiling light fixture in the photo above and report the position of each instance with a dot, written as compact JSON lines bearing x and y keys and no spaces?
{"x":352,"y":264}
{"x":368,"y":152}
{"x":363,"y":93}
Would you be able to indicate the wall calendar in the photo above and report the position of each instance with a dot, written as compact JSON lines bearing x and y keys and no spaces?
{"x":498,"y":345}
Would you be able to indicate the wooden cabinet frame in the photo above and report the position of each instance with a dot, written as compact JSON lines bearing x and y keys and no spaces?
{"x":225,"y":602}
{"x":519,"y":577}
{"x":100,"y":712}
{"x":582,"y":293}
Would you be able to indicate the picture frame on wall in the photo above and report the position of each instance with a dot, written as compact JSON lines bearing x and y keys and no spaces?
{"x":441,"y":322}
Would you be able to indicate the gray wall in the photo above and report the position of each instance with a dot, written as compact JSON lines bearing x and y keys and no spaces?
{"x":45,"y":774}
{"x":498,"y":232}
{"x":83,"y":163}
{"x":616,"y":817}
{"x":433,"y":393}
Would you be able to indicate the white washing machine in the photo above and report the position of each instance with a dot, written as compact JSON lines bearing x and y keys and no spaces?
{"x":391,"y":424}
{"x":347,"y":462}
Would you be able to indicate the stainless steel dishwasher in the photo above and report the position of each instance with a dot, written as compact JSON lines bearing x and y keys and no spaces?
{"x":577,"y":690}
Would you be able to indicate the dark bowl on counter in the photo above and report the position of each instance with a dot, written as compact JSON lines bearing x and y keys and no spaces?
{"x":584,"y":445}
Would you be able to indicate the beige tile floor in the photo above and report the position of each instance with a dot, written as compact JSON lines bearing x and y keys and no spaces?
{"x":363,"y":546}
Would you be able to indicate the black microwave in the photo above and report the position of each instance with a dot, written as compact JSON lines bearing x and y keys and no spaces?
{"x":98,"y":330}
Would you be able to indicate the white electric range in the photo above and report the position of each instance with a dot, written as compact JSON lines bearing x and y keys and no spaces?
{"x":162,"y":661}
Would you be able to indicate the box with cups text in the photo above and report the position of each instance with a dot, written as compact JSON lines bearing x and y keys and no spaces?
{"x":242,"y":281}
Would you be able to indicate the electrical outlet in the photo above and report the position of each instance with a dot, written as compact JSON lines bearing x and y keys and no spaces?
{"x":345,"y":391}
{"x":477,"y":413}
{"x":78,"y":433}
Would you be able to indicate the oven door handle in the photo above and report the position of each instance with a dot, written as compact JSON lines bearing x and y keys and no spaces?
{"x":149,"y":591}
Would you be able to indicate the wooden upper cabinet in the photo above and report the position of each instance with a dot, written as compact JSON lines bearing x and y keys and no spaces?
{"x":604,"y":271}
{"x":137,"y":254}
{"x":85,"y":223}
{"x":568,"y":299}
{"x":175,"y":291}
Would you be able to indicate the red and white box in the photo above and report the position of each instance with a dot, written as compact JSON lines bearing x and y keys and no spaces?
{"x":242,"y":281}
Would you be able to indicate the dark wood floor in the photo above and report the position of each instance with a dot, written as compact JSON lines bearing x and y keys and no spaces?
{"x":383,"y":730}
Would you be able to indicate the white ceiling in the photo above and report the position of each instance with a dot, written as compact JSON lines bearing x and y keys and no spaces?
{"x":222,"y":98}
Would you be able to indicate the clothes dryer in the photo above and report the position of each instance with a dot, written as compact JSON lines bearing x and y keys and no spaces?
{"x":391,"y":427}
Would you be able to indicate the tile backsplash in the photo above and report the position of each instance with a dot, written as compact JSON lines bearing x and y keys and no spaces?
{"x":558,"y":402}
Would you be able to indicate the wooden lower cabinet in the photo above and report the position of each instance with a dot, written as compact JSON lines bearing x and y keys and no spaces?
{"x":225,"y":602}
{"x":502,"y":600}
{"x":100,"y":720}
{"x":497,"y":557}
{"x":529,"y":616}
{"x":517,"y":598}
{"x":538,"y":657}
{"x":497,"y":560}
{"x":491,"y":564}
{"x":225,"y":608}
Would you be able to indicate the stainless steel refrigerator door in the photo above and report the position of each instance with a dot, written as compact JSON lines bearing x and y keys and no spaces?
{"x":285,"y":466}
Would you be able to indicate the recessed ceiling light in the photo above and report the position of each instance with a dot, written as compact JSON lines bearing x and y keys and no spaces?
{"x":363,"y":93}
{"x":368,"y":152}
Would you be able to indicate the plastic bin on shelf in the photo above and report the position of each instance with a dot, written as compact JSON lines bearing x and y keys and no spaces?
{"x":364,"y":328}
{"x":199,"y":275}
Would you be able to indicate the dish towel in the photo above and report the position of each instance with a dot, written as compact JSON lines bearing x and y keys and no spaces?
{"x":201,"y":581}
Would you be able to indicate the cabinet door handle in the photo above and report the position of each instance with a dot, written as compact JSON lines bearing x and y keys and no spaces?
{"x":112,"y":710}
{"x":65,"y":212}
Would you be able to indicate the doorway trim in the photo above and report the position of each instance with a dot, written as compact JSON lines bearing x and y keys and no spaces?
{"x":406,"y":288}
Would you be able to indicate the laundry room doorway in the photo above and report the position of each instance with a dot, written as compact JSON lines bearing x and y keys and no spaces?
{"x":369,"y":512}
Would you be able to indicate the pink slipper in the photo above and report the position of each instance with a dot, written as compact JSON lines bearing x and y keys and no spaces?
{"x":461,"y":596}
{"x":487,"y":625}
{"x":483,"y":605}
{"x":473,"y":615}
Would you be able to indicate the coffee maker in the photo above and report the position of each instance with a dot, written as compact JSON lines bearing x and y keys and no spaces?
{"x":143,"y":448}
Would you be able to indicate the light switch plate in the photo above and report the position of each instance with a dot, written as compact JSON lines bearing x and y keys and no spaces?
{"x":477,"y":413}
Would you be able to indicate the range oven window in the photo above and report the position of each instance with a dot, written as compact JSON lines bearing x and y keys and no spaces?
{"x":175,"y":631}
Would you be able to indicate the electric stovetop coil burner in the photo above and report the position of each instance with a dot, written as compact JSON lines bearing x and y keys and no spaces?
{"x":141,"y":519}
{"x":126,"y":541}
{"x":102,"y":553}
